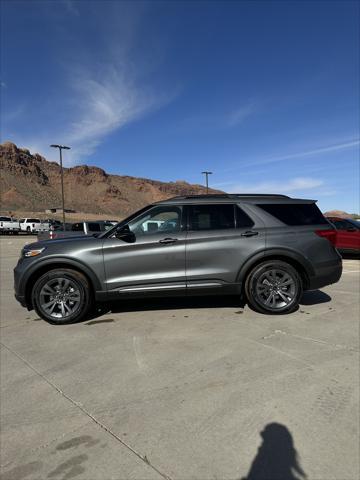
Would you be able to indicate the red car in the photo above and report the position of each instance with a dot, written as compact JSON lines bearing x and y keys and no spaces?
{"x":347,"y":234}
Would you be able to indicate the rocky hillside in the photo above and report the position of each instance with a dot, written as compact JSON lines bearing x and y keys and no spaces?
{"x":341,"y":214}
{"x":29,"y":182}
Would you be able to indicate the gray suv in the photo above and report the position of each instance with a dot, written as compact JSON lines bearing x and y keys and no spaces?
{"x":268,"y":247}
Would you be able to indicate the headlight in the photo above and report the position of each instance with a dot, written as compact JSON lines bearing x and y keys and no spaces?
{"x":34,"y":252}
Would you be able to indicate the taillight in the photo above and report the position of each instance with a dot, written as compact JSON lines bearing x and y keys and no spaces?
{"x":328,"y":234}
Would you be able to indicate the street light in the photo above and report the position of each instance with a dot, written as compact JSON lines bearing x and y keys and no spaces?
{"x":207,"y":180}
{"x":61,"y":148}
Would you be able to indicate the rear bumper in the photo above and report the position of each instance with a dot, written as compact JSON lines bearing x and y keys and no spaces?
{"x":326,"y":273}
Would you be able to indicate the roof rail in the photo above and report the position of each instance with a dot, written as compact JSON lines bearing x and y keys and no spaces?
{"x":229,"y":195}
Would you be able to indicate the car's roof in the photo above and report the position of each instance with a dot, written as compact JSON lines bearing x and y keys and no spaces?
{"x":233,"y":198}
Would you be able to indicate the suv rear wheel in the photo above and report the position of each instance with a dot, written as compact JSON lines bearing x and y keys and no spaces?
{"x":274,"y":287}
{"x":62,"y":296}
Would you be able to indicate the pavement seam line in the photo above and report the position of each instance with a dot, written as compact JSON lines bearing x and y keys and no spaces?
{"x":80,"y":407}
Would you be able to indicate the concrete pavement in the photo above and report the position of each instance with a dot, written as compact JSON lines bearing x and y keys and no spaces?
{"x":181,"y":389}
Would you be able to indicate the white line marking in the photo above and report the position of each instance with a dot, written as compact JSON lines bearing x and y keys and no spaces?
{"x":351,"y":271}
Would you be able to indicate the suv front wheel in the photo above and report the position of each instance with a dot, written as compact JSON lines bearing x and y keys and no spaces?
{"x":274,"y":287}
{"x":62,"y":296}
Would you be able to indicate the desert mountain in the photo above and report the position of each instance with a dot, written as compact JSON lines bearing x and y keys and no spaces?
{"x":30,"y":182}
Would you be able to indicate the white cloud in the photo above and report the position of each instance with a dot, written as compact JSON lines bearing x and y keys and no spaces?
{"x":239,"y":115}
{"x":316,"y":151}
{"x":298,"y":184}
{"x":103,"y":106}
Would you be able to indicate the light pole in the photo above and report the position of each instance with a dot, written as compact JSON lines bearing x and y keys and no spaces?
{"x":62,"y":147}
{"x":207,"y":180}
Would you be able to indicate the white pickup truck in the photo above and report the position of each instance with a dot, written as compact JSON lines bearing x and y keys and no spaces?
{"x":9,"y":225}
{"x":33,"y":225}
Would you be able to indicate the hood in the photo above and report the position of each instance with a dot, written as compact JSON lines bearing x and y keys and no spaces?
{"x":61,"y":241}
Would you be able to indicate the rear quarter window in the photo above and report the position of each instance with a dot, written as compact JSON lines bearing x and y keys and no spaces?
{"x":295,"y":213}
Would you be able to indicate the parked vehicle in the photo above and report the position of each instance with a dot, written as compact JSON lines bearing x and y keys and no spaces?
{"x":269,"y":247}
{"x":9,"y":225}
{"x":347,"y":234}
{"x":33,"y":225}
{"x":75,"y":230}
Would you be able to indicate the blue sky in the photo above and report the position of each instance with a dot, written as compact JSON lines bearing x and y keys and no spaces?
{"x":264,"y":94}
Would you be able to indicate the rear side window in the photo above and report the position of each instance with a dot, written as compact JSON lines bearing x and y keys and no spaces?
{"x":77,"y":227}
{"x":33,"y":220}
{"x":211,"y":217}
{"x":295,"y":213}
{"x":94,"y":227}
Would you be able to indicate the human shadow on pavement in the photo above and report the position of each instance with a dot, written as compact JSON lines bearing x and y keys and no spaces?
{"x":277,"y":458}
{"x":314,"y":297}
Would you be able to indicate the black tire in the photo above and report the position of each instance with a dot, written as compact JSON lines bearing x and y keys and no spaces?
{"x":28,"y":230}
{"x":274,"y":287}
{"x":62,"y":296}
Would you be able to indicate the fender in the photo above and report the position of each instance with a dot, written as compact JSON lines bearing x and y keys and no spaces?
{"x":66,"y":261}
{"x":275,"y":252}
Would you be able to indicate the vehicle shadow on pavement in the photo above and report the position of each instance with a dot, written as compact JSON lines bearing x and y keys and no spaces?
{"x":175,"y":303}
{"x":314,"y":297}
{"x":181,"y":303}
{"x":276,"y":458}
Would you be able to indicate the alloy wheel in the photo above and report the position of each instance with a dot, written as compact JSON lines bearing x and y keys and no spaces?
{"x":275,"y":288}
{"x":60,"y":297}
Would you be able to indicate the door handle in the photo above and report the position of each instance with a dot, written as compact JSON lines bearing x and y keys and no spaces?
{"x":249,"y":233}
{"x":168,"y":240}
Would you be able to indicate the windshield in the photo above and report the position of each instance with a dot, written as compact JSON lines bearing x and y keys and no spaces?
{"x":126,"y":220}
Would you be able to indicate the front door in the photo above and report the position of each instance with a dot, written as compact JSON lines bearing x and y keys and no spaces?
{"x":154,"y":261}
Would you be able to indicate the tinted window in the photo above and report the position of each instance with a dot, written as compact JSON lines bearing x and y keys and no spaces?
{"x":5,"y":219}
{"x":242,"y":219}
{"x":295,"y":214}
{"x":22,"y":220}
{"x":212,"y":217}
{"x":77,"y":227}
{"x":344,"y":225}
{"x":94,"y":227}
{"x":33,"y":220}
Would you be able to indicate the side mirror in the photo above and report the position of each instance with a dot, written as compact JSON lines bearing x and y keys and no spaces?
{"x":124,"y":233}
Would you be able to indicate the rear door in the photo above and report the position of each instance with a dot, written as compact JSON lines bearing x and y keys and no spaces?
{"x":221,"y":237}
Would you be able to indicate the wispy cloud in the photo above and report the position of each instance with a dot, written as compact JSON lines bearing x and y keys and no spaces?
{"x":305,"y":154}
{"x":224,"y":119}
{"x":237,"y":116}
{"x":316,"y":151}
{"x":104,"y":105}
{"x":298,"y":184}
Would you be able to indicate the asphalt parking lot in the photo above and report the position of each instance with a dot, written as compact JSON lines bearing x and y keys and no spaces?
{"x":182,"y":389}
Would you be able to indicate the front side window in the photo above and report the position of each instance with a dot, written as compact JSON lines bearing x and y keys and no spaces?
{"x":164,"y":220}
{"x":211,"y":217}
